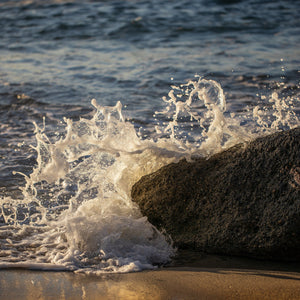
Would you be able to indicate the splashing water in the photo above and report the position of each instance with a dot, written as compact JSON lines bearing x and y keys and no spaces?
{"x":76,"y":212}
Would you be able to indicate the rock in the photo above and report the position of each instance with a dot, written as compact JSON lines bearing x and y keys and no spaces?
{"x":243,"y":201}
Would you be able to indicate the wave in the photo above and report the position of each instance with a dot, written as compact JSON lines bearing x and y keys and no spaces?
{"x":75,"y":211}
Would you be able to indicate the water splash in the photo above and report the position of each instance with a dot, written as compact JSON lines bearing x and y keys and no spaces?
{"x":279,"y":115}
{"x":197,"y":118}
{"x":76,"y":212}
{"x":76,"y":209}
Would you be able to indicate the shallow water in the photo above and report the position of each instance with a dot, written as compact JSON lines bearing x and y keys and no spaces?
{"x":68,"y":162}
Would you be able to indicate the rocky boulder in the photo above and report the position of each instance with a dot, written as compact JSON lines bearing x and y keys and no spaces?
{"x":243,"y":201}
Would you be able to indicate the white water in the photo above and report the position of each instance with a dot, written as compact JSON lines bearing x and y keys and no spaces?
{"x":76,"y":212}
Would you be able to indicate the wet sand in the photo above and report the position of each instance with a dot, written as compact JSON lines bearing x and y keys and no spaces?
{"x":262,"y":281}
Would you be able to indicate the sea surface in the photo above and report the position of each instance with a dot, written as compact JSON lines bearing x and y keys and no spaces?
{"x":96,"y":94}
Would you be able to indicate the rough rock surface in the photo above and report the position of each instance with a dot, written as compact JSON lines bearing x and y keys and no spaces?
{"x":243,"y":201}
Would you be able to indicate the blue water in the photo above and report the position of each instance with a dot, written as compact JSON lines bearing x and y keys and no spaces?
{"x":68,"y":52}
{"x":72,"y":51}
{"x":56,"y":56}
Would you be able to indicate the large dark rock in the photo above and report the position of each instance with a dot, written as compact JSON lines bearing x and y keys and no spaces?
{"x":243,"y":201}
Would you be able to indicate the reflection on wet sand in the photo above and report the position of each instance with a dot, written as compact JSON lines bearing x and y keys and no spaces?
{"x":179,"y":283}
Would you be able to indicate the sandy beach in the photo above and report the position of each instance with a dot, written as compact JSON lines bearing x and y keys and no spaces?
{"x":209,"y":278}
{"x":180,"y":283}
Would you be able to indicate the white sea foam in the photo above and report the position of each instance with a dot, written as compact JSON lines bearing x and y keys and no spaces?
{"x":76,"y":212}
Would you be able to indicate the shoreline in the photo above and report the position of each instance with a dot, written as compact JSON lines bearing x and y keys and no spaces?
{"x":211,"y":277}
{"x":172,"y":283}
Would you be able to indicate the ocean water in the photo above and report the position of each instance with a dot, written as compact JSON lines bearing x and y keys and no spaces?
{"x":96,"y":94}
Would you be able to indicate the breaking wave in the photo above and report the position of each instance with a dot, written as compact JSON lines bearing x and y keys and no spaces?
{"x":76,"y":212}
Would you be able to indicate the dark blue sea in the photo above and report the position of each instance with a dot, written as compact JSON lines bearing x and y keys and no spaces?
{"x":96,"y":94}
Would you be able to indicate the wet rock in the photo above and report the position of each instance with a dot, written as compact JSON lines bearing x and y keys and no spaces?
{"x":243,"y":201}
